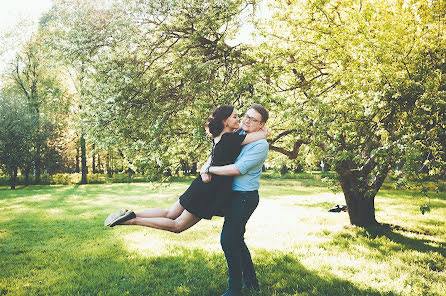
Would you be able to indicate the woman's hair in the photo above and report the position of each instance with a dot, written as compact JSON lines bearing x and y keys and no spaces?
{"x":215,"y":122}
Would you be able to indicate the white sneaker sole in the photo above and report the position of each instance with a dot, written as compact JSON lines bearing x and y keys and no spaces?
{"x":112,"y":217}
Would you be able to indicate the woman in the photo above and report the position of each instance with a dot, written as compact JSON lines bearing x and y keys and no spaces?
{"x":206,"y":196}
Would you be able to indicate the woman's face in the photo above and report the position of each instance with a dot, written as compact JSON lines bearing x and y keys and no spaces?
{"x":232,"y":121}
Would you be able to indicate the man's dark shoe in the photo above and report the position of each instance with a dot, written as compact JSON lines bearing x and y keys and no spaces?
{"x":338,"y":208}
{"x":230,"y":293}
{"x":248,"y":287}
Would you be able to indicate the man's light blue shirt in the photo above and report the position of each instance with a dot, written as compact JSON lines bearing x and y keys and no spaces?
{"x":249,"y":163}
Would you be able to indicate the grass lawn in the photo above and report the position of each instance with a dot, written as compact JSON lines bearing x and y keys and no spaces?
{"x":53,"y":242}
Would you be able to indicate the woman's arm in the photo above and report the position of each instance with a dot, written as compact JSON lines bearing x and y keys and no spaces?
{"x":206,"y":165}
{"x":261,"y":134}
{"x":206,"y":176}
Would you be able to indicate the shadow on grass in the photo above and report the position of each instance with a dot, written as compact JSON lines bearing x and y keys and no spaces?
{"x":283,"y":274}
{"x":45,"y":256}
{"x":420,"y":245}
{"x":118,"y":189}
{"x":82,"y":198}
{"x":396,"y":244}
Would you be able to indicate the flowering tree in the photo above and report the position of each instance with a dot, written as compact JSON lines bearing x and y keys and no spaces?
{"x":366,"y":83}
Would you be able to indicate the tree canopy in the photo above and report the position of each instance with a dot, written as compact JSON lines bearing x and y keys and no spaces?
{"x":365,"y":81}
{"x":360,"y":85}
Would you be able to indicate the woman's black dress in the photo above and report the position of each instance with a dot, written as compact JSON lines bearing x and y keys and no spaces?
{"x":205,"y":200}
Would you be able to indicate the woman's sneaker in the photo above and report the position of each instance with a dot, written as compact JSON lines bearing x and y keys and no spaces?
{"x":121,"y":219}
{"x":112,"y":217}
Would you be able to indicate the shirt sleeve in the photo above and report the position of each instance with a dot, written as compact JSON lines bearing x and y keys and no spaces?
{"x":254,"y":156}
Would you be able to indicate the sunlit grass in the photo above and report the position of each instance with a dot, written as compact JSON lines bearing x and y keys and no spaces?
{"x":53,"y":242}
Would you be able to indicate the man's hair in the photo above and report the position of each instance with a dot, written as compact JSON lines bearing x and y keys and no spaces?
{"x":262,"y":110}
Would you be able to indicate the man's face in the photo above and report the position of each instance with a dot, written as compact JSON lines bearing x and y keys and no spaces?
{"x":252,"y":121}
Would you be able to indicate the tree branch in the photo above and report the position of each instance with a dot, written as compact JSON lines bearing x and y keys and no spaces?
{"x":291,"y":154}
{"x":282,"y":134}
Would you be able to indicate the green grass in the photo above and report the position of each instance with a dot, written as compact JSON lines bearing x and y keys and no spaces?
{"x":53,"y":242}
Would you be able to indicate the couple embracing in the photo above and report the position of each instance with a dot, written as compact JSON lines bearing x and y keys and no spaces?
{"x":227,"y":187}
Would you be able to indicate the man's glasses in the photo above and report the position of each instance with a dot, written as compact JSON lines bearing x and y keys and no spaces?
{"x":251,"y":119}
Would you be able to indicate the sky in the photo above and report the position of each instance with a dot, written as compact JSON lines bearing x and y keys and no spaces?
{"x":12,"y":10}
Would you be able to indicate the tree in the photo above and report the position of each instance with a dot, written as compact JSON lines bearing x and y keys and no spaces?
{"x":17,"y":125}
{"x":366,"y":82}
{"x":152,"y":68}
{"x":32,"y":75}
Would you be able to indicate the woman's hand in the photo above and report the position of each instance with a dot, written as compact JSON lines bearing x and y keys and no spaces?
{"x":262,"y":133}
{"x":206,"y":178}
{"x":266,"y":130}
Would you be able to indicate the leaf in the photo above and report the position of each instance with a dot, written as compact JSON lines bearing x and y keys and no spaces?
{"x":425,"y":209}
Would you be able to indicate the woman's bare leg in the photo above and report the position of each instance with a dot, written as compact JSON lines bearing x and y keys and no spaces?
{"x":185,"y":221}
{"x":172,"y":213}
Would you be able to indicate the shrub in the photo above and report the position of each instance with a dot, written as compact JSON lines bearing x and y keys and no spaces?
{"x":121,"y":178}
{"x":45,"y":179}
{"x":4,"y":180}
{"x":97,"y":178}
{"x":63,"y":179}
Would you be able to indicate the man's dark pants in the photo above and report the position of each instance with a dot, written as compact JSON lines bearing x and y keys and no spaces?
{"x":242,"y":205}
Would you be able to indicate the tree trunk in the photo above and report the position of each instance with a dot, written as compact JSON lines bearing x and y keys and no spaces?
{"x":83,"y":160}
{"x":194,"y":168}
{"x":77,"y":160}
{"x":26,"y":173}
{"x":184,"y":167}
{"x":37,"y":164}
{"x":283,"y":170}
{"x":107,"y":164}
{"x":361,"y":208}
{"x":94,"y":160}
{"x":13,"y":179}
{"x":99,"y":169}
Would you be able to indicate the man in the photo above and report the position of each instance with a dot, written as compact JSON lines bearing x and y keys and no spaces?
{"x":246,"y":169}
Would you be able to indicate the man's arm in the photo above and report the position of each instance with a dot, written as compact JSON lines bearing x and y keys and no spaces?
{"x":226,"y":170}
{"x":257,"y":154}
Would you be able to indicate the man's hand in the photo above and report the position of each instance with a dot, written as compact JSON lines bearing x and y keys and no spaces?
{"x":206,"y":178}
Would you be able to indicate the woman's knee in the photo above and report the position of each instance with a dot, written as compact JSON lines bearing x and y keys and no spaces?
{"x":175,"y":211}
{"x":178,"y":227}
{"x":171,"y":215}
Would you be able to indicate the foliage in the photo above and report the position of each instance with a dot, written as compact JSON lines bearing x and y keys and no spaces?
{"x":151,"y":69}
{"x":366,"y":83}
{"x":17,"y":126}
{"x":75,"y":178}
{"x":33,"y":76}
